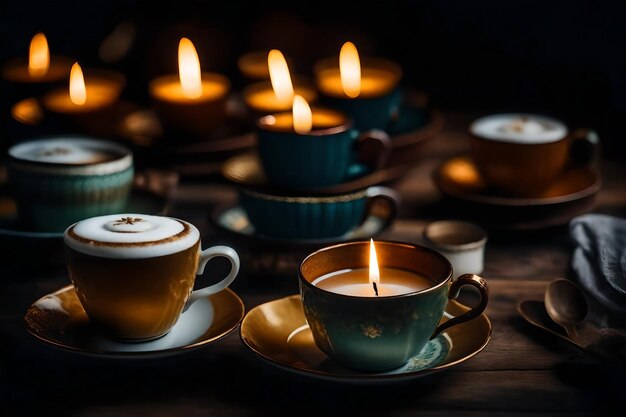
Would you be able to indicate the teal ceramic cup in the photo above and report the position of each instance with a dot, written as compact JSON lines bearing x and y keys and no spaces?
{"x":332,"y":153}
{"x":318,"y":217}
{"x":378,"y":104}
{"x":57,"y":181}
{"x":381,"y":333}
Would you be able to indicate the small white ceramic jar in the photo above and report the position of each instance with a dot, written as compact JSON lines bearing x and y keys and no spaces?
{"x":462,"y":243}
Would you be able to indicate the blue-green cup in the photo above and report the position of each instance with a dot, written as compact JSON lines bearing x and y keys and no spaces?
{"x":373,"y":108}
{"x":320,"y":217}
{"x":381,"y":333}
{"x":57,"y":181}
{"x":332,"y":153}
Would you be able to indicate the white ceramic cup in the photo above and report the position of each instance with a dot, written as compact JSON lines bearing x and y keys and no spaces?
{"x":462,"y":243}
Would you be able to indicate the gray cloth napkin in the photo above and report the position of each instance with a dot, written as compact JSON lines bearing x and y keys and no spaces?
{"x":599,"y":265}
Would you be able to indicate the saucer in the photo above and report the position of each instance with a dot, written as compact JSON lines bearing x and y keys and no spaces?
{"x":572,"y":194}
{"x":277,"y":333}
{"x":59,"y":319}
{"x":246,"y":170}
{"x":140,"y":201}
{"x":234,"y":220}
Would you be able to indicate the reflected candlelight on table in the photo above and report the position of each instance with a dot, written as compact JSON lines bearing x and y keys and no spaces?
{"x":191,"y":101}
{"x":278,"y":93}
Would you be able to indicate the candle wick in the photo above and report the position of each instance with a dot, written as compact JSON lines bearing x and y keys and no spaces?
{"x":375,"y":288}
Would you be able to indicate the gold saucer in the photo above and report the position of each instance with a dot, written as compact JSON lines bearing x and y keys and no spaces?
{"x":278,"y":333}
{"x":59,"y":319}
{"x":572,"y":194}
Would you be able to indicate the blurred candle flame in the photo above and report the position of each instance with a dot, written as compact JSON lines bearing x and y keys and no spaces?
{"x":350,"y":70}
{"x":374,"y":271}
{"x":279,"y":76}
{"x":302,"y":116}
{"x":38,"y":56}
{"x":78,"y":92}
{"x":189,"y":69}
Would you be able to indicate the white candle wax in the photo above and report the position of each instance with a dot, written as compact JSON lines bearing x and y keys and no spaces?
{"x":356,"y":282}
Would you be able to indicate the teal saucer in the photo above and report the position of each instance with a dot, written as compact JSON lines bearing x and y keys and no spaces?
{"x":234,"y":221}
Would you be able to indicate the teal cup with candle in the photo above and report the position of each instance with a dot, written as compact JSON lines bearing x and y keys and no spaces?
{"x":330,"y":153}
{"x":380,"y":327}
{"x":366,"y":90}
{"x":316,"y":217}
{"x":57,"y":181}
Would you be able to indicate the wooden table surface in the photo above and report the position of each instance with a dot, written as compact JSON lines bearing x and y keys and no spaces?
{"x":521,"y":372}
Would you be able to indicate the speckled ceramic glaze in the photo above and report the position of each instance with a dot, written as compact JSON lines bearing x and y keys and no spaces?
{"x":310,"y":217}
{"x":52,"y":195}
{"x":380,"y":333}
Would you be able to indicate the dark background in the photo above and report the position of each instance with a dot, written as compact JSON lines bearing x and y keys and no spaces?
{"x":563,"y":58}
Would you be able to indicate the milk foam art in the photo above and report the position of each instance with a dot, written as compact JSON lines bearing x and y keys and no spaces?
{"x":131,"y":236}
{"x":519,"y":128}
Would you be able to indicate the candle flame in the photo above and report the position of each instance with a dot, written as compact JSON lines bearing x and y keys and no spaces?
{"x":189,"y":69}
{"x":350,"y":70}
{"x":279,"y":76}
{"x":374,"y":271}
{"x":302,"y":116}
{"x":38,"y":56}
{"x":78,"y":92}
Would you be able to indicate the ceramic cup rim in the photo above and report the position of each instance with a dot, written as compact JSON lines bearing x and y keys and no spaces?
{"x":461,"y":247}
{"x":416,"y":247}
{"x":123,"y":162}
{"x":326,"y":131}
{"x":154,"y":83}
{"x":378,"y":63}
{"x":474,"y":135}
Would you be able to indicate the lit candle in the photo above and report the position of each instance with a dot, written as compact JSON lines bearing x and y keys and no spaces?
{"x":372,"y":281}
{"x":302,"y":119}
{"x":85,"y":94}
{"x":352,"y":78}
{"x":254,"y":65}
{"x":278,"y":93}
{"x":191,"y":100}
{"x":365,"y":89}
{"x":40,"y":67}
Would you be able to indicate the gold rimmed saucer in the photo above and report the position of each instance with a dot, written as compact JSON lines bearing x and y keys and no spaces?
{"x":571,"y":194}
{"x":59,"y":319}
{"x":277,"y":332}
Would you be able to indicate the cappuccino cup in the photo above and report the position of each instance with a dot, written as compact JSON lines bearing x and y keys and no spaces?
{"x":134,"y":274}
{"x":57,"y":181}
{"x":521,"y":154}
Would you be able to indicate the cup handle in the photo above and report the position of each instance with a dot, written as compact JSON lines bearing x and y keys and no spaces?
{"x":584,"y":146}
{"x":466,"y":279}
{"x":205,"y":256}
{"x":373,"y":148}
{"x":385,"y":196}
